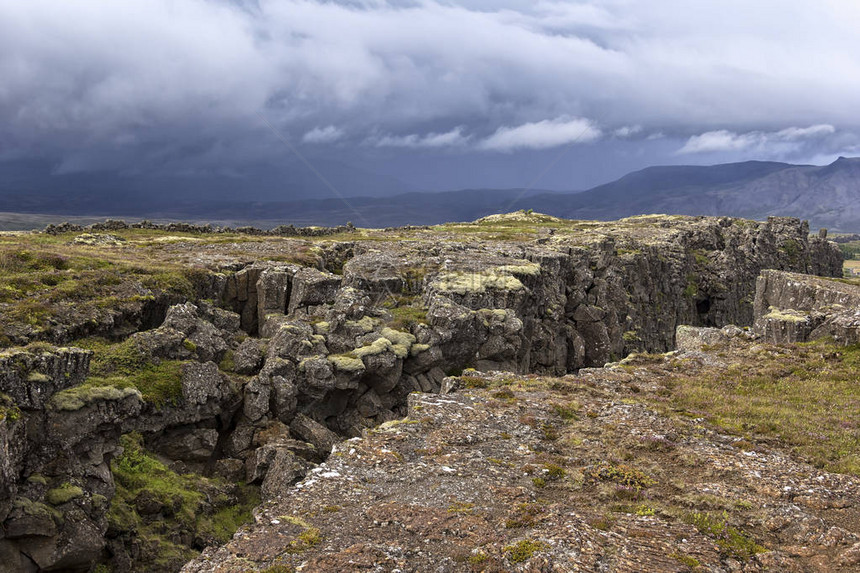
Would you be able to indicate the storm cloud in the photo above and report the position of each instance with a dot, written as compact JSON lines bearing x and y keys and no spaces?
{"x":181,"y":84}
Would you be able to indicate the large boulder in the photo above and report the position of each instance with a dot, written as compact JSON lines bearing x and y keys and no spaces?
{"x":311,"y":288}
{"x":315,"y":433}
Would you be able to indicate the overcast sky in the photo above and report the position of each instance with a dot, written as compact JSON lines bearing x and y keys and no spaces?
{"x":497,"y":93}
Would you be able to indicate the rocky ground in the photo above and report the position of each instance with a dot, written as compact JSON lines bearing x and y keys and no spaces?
{"x":156,"y":381}
{"x":594,"y":472}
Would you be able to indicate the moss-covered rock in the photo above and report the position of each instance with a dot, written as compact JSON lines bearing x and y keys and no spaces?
{"x":81,"y":396}
{"x":174,"y":515}
{"x":346,"y":362}
{"x":378,"y":346}
{"x":476,"y":282}
{"x":63,"y":494}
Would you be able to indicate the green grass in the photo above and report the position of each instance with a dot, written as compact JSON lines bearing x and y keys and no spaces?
{"x":806,"y":396}
{"x":43,"y":277}
{"x":568,"y":411}
{"x":136,"y":470}
{"x":622,"y":474}
{"x":223,"y":523}
{"x":405,"y":317}
{"x":405,"y":312}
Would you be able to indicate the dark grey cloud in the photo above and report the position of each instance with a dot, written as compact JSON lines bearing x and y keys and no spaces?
{"x":178,"y":85}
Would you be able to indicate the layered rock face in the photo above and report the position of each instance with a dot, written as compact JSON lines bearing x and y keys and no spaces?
{"x":580,"y":300}
{"x":291,"y":359}
{"x":790,"y":307}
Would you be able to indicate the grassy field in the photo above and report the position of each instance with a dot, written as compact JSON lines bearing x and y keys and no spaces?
{"x":803,"y":396}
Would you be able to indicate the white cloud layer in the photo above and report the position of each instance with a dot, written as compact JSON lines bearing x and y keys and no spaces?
{"x":191,"y":75}
{"x":785,"y":139}
{"x":542,"y":135}
{"x":328,"y":134}
{"x":453,"y":138}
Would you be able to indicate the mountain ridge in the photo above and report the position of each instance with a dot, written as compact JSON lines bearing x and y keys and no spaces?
{"x":825,"y":195}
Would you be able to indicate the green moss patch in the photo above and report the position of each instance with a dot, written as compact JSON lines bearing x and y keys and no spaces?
{"x":524,"y":550}
{"x":479,"y":282}
{"x":346,"y":362}
{"x":156,"y":505}
{"x":37,"y":509}
{"x":9,"y":412}
{"x":80,"y":396}
{"x":63,"y":494}
{"x":124,"y":365}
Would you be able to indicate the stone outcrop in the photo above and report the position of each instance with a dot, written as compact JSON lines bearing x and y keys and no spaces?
{"x":58,"y":436}
{"x":790,"y":307}
{"x":279,"y":231}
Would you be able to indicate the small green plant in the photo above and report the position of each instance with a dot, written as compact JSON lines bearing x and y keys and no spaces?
{"x":731,"y":540}
{"x":504,"y":394}
{"x":553,"y":471}
{"x":692,"y":288}
{"x":685,"y":560}
{"x":525,"y":515}
{"x":567,"y":411}
{"x":602,"y":523}
{"x":548,"y":432}
{"x":473,"y":382}
{"x":461,"y":507}
{"x":478,"y":558}
{"x":228,"y":362}
{"x":405,"y":317}
{"x":524,"y":550}
{"x":644,"y":510}
{"x":623,"y":475}
{"x":308,"y":538}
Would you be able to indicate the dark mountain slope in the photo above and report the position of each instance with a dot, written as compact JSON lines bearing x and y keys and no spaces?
{"x":828,"y":196}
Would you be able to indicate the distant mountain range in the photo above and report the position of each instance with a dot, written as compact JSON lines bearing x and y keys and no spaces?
{"x":828,"y":196}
